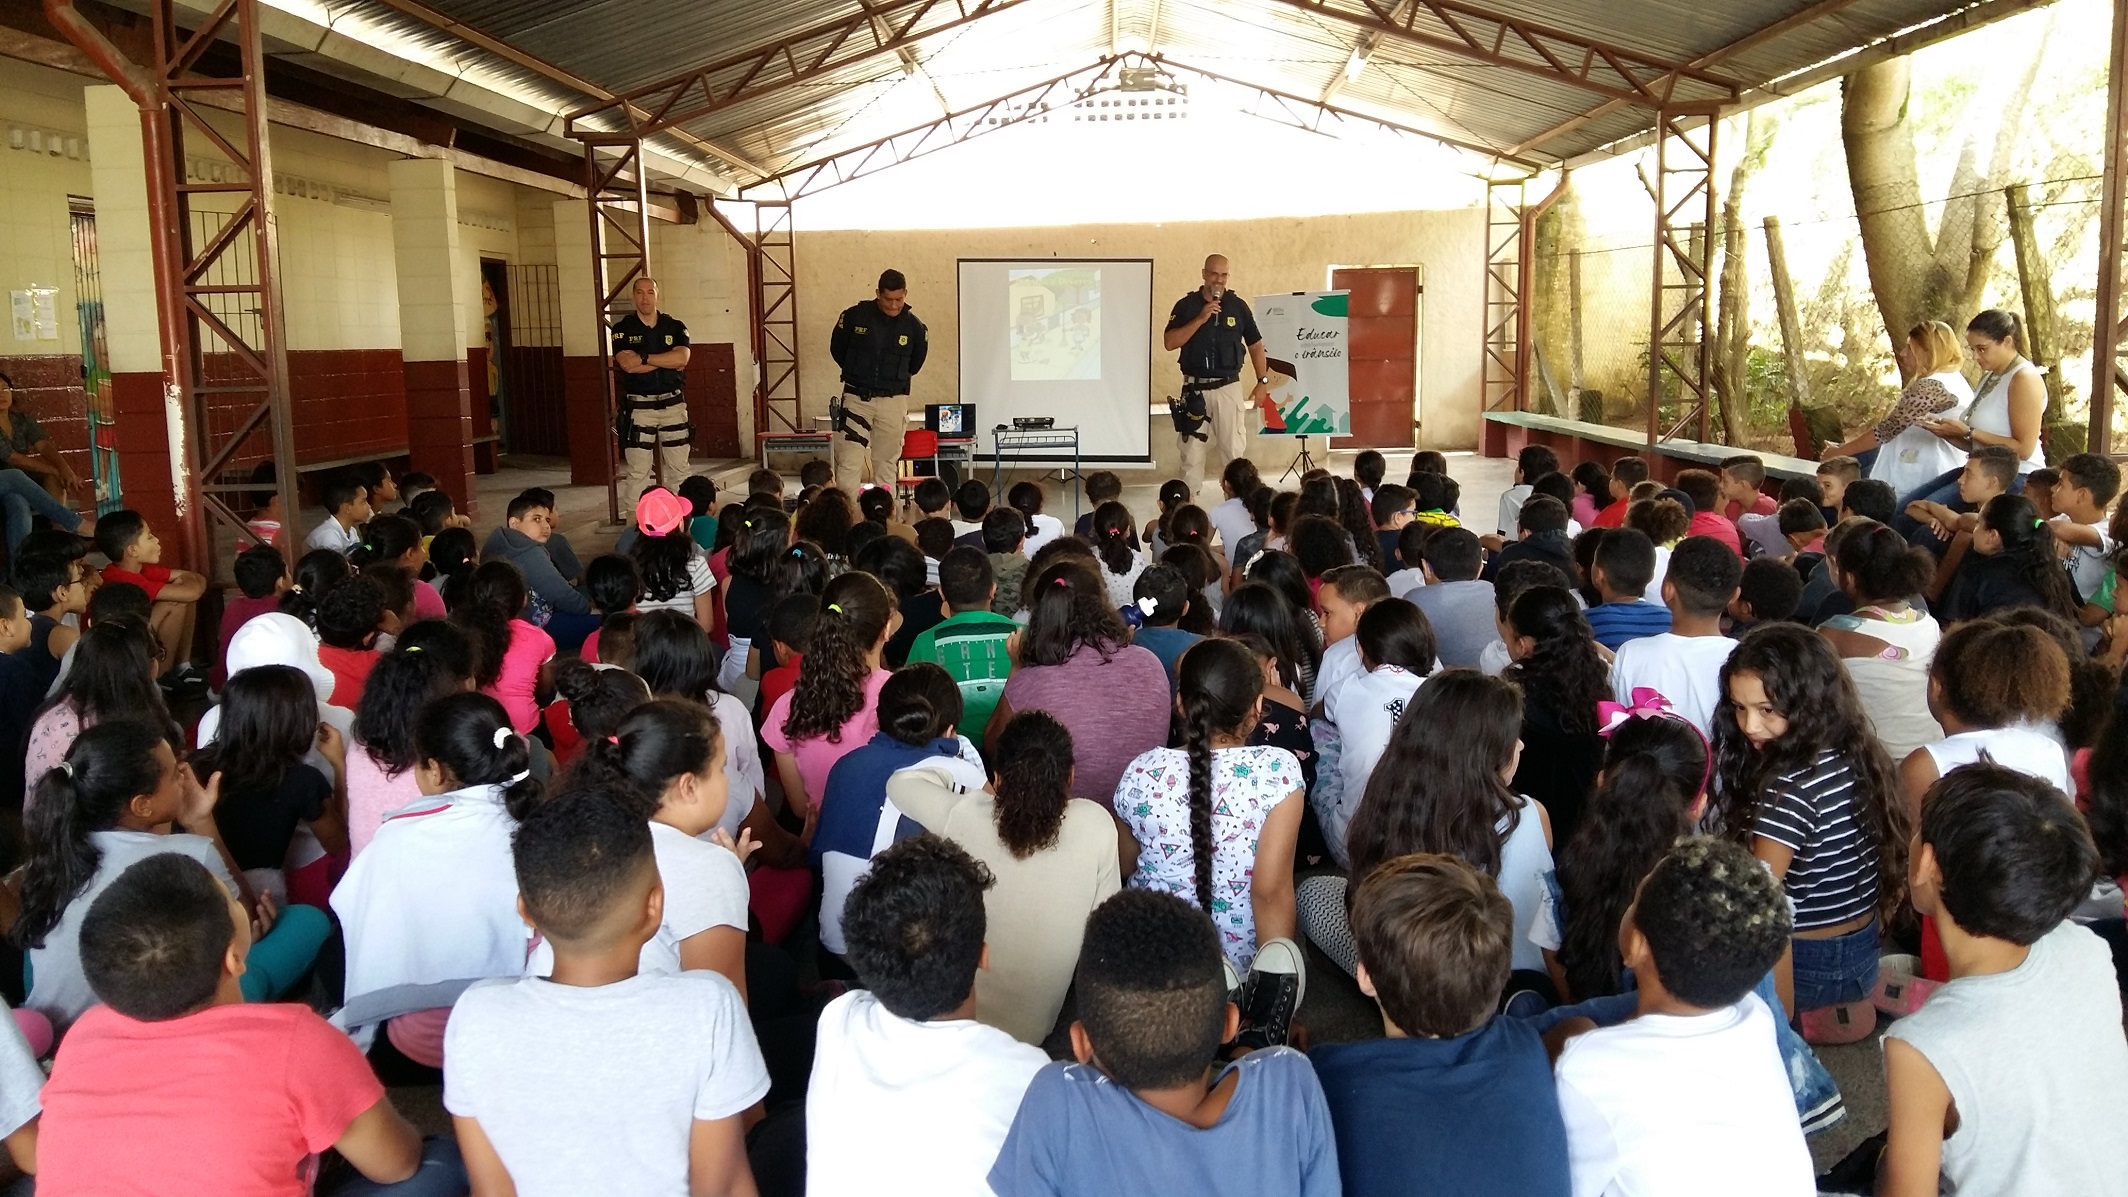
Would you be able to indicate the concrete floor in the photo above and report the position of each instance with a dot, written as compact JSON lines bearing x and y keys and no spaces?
{"x":1335,"y":1010}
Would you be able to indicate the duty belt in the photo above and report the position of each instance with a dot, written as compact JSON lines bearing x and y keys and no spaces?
{"x":1208,"y":384}
{"x":657,"y":402}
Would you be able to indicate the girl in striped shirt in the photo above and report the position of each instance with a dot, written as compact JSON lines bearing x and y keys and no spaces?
{"x":1802,"y":782}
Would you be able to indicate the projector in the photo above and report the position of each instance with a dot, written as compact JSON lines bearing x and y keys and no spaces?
{"x":1033,"y":423}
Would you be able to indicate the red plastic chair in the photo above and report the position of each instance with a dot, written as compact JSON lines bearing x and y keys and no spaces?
{"x":917,"y":444}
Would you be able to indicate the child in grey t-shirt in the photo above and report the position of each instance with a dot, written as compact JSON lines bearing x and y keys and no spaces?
{"x":2003,"y":860}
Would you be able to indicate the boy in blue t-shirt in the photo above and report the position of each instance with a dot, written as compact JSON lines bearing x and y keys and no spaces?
{"x":1624,"y":565}
{"x":1456,"y":1099}
{"x":1163,"y":597}
{"x":1143,"y":1111}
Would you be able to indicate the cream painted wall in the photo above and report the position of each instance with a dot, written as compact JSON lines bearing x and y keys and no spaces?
{"x":838,"y":268}
{"x":36,"y":237}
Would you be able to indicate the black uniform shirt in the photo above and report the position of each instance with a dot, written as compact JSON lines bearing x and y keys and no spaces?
{"x":629,"y":333}
{"x":878,"y":353}
{"x":1218,"y":349}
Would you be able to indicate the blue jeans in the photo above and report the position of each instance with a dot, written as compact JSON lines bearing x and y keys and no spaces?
{"x":1817,"y":1096}
{"x":570,"y":631}
{"x":1831,"y":972}
{"x":1943,"y":488}
{"x":442,"y":1174}
{"x":21,"y":498}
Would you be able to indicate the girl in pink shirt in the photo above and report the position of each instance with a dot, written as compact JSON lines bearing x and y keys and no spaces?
{"x":396,"y":540}
{"x":432,"y":659}
{"x":834,"y":708}
{"x":509,"y":655}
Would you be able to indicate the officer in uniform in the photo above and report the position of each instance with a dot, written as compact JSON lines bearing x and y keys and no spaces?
{"x":650,"y":350}
{"x":1213,"y":327}
{"x":880,"y":346}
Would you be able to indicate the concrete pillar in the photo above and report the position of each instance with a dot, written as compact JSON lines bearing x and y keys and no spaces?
{"x":149,"y":428}
{"x":432,"y":321}
{"x":583,"y":362}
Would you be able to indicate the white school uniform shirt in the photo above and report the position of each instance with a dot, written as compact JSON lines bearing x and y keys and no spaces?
{"x":1511,"y":501}
{"x":1232,"y":521}
{"x":1687,"y":670}
{"x":596,"y":1089}
{"x":1341,"y":662}
{"x":1046,"y":529}
{"x":1404,"y":581}
{"x":430,"y":906}
{"x":1670,"y":1106}
{"x":1366,"y":709}
{"x":330,"y":535}
{"x":917,"y":1108}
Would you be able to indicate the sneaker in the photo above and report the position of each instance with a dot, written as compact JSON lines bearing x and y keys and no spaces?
{"x":184,"y":680}
{"x":1271,"y":994}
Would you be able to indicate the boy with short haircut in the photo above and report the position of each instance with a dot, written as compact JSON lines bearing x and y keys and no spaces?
{"x":1626,"y":473}
{"x":1624,"y":565}
{"x":1704,"y":488}
{"x":175,"y":1084}
{"x":1347,"y":592}
{"x":52,"y":589}
{"x":701,"y":495}
{"x":1761,"y":534}
{"x":2039,"y":487}
{"x":934,"y":539}
{"x":1004,"y":534}
{"x":1768,"y":592}
{"x":1102,"y":486}
{"x":1543,"y":524}
{"x":909,"y":1093}
{"x":1684,"y":664}
{"x":1835,"y":475}
{"x":1143,"y":1110}
{"x":1690,"y":1095}
{"x":931,"y":496}
{"x":262,"y":577}
{"x":1822,"y":596}
{"x":1457,"y":603}
{"x":972,"y":642}
{"x":658,"y":1069}
{"x":347,"y":508}
{"x":1743,"y":487}
{"x":2002,"y":859}
{"x":413,"y":483}
{"x":1163,"y":598}
{"x":1802,"y":528}
{"x":1989,"y":471}
{"x":1455,"y":1098}
{"x":970,"y":503}
{"x":2087,"y":486}
{"x":816,"y":473}
{"x":1870,"y":498}
{"x":1532,"y":463}
{"x":1411,"y":555}
{"x":125,"y":538}
{"x":1392,"y":508}
{"x":526,"y":539}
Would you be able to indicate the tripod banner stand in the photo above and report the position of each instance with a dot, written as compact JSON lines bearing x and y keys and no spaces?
{"x":1305,"y":348}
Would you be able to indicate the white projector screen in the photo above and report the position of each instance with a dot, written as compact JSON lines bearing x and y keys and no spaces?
{"x":1069,"y":338}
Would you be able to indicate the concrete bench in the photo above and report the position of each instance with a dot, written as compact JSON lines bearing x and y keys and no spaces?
{"x":1575,"y":441}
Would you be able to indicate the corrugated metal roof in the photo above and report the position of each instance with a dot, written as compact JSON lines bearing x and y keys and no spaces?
{"x":1297,"y":46}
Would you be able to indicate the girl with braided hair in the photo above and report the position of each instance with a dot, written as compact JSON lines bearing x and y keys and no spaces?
{"x":1215,"y":820}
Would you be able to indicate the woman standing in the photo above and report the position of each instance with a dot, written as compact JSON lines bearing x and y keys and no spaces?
{"x":1907,"y":453}
{"x":2006,"y":407}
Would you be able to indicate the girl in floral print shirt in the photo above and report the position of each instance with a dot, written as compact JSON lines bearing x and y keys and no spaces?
{"x":1208,"y":814}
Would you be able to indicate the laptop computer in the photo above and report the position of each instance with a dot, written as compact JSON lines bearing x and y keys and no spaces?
{"x":950,"y":419}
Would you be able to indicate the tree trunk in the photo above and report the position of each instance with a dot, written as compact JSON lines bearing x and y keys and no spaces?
{"x":2035,"y":281}
{"x":1732,"y":340}
{"x":1784,"y":302}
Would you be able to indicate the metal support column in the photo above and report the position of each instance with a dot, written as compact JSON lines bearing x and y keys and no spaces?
{"x":1505,"y":318}
{"x":1680,"y":353}
{"x":2110,"y":326}
{"x":225,"y":365}
{"x":618,"y":195}
{"x":776,"y":316}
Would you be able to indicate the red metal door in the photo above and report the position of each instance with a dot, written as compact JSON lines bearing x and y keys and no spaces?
{"x":1382,"y":347}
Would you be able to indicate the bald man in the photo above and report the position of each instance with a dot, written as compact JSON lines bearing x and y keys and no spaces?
{"x":1214,"y":330}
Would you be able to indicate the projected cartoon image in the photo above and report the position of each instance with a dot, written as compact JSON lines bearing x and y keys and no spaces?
{"x":1056,"y":324}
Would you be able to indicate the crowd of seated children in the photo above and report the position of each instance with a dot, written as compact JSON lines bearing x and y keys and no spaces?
{"x":1093,"y":813}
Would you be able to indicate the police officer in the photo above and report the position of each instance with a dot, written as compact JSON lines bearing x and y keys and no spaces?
{"x":1212,"y":326}
{"x":650,"y":350}
{"x":880,"y":346}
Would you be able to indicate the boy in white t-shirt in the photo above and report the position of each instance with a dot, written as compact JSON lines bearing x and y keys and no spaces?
{"x":599,"y":1079}
{"x":1690,"y":1097}
{"x":2088,"y":483}
{"x":1348,"y":591}
{"x":1684,"y":664}
{"x":2001,"y":860}
{"x":909,"y":1093}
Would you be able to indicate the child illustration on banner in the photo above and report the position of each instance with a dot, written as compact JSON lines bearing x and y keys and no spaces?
{"x":1305,"y":354}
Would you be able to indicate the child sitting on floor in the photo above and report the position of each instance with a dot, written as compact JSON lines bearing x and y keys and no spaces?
{"x":1690,"y":1095}
{"x":659,"y":1067}
{"x":178,"y":1085}
{"x":1144,"y":1110}
{"x":136,"y":555}
{"x":2003,"y":859}
{"x":261,"y":574}
{"x":909,"y":1093}
{"x":1455,"y":1098}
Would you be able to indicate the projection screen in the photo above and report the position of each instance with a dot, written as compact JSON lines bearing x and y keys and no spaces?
{"x":1069,"y":338}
